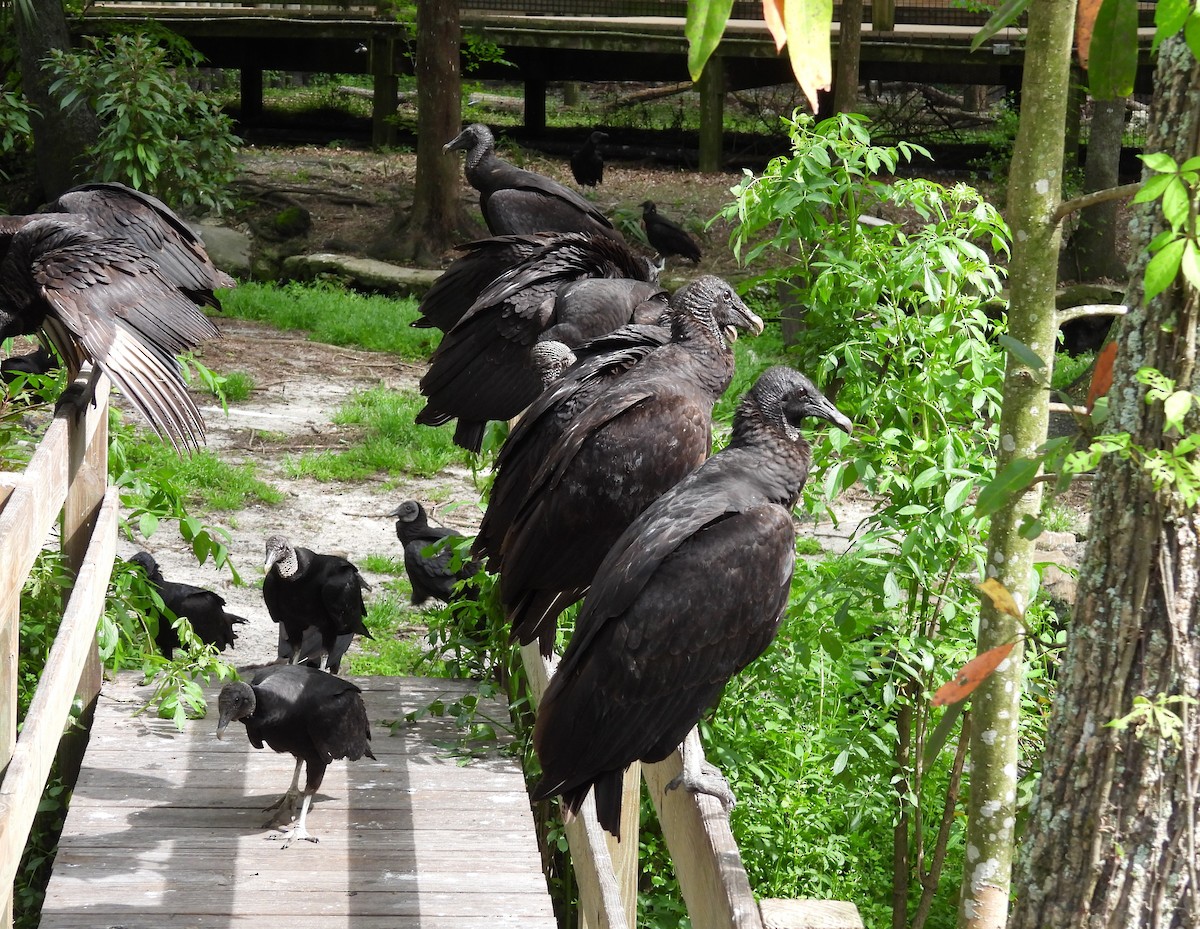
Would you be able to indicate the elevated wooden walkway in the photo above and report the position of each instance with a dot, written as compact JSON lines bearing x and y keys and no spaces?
{"x":165,"y":827}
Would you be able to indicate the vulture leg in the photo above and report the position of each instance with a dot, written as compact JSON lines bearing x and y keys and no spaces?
{"x":698,"y":775}
{"x":75,"y":397}
{"x":286,"y":805}
{"x":300,"y":833}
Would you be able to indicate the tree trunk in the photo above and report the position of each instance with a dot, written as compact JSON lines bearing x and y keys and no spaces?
{"x":60,"y":137}
{"x":845,"y":83}
{"x":1091,"y":252}
{"x":1034,"y":193}
{"x":1113,"y":831}
{"x":428,"y":230}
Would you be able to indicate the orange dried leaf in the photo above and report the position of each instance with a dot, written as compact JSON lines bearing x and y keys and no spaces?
{"x":971,"y":675}
{"x":1000,"y":597}
{"x":1102,"y":374}
{"x":1085,"y":24}
{"x":773,"y":16}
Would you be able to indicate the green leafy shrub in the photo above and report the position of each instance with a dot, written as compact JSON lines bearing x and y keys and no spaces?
{"x":158,"y":134}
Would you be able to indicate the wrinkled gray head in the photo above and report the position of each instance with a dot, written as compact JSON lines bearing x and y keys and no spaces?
{"x":475,"y":137}
{"x":408,"y":511}
{"x":550,"y":359}
{"x":784,"y":397}
{"x":281,"y":553}
{"x":717,"y":306}
{"x":235,"y":702}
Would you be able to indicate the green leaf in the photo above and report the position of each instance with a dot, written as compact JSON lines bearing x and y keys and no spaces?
{"x":1169,"y":17}
{"x":1005,"y":16}
{"x":935,"y":741}
{"x":957,"y":495}
{"x":1176,"y":407}
{"x":1112,"y":66}
{"x":1190,"y":265}
{"x":704,"y":27}
{"x":839,"y":763}
{"x":1163,"y":268}
{"x":1176,"y":203}
{"x":1016,"y":476}
{"x":1153,"y":188}
{"x":1022,"y":352}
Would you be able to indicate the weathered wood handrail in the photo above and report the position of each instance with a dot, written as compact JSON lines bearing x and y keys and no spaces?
{"x":67,"y":475}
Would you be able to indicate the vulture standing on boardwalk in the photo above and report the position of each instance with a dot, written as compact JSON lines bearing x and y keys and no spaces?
{"x":306,"y":590}
{"x":515,"y":201}
{"x":587,"y":164}
{"x":204,"y":609}
{"x":431,"y":575}
{"x":116,"y":278}
{"x":637,"y":436}
{"x":574,"y":288}
{"x":690,"y":594}
{"x":667,"y":236}
{"x":302,"y":712}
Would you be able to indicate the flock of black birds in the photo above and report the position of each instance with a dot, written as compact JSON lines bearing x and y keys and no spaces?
{"x":605,"y":487}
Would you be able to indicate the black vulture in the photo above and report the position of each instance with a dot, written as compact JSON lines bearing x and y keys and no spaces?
{"x":638,"y":434}
{"x":690,"y":594}
{"x":306,"y":713}
{"x":204,"y":609}
{"x":587,"y":164}
{"x":155,"y":228}
{"x":667,"y":236}
{"x":516,"y":201}
{"x":572,"y":289}
{"x":114,"y":288}
{"x":550,"y":360}
{"x":305,"y":590}
{"x":431,"y":575}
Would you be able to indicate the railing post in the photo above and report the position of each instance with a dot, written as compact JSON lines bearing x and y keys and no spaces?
{"x":712,"y":114}
{"x":10,"y":624}
{"x":87,"y":477}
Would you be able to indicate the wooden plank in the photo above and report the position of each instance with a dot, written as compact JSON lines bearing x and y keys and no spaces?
{"x":606,"y":871}
{"x":706,"y":857}
{"x":34,"y":753}
{"x":460,"y":841}
{"x":810,"y":914}
{"x":166,"y":919}
{"x":431,"y":859}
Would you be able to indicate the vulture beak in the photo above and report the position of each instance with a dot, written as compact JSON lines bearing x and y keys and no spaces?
{"x":460,"y":141}
{"x":221,"y":727}
{"x":394,"y":514}
{"x":272,"y":557}
{"x":820,"y":407}
{"x":745,"y":318}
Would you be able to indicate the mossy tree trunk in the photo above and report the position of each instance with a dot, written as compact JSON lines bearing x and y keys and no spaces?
{"x":1112,"y":836}
{"x":429,"y":228}
{"x":1034,"y":193}
{"x":60,"y":137}
{"x":1091,"y":252}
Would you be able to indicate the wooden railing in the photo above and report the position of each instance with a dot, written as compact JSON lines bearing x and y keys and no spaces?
{"x":67,"y":475}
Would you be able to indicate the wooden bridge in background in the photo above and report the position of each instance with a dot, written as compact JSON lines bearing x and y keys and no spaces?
{"x":572,"y":40}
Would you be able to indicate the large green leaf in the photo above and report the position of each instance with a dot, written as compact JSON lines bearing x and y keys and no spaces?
{"x":1113,"y":63}
{"x":1017,"y":475}
{"x":704,"y":27}
{"x":808,"y":24}
{"x":1005,"y":16}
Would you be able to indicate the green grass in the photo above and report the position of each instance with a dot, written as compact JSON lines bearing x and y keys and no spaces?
{"x":204,"y":480}
{"x":395,"y":648}
{"x":383,"y":564}
{"x":336,"y":316}
{"x":391,"y":441}
{"x":237,"y":385}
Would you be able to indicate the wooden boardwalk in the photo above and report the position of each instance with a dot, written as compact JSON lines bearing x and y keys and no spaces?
{"x":165,"y":827}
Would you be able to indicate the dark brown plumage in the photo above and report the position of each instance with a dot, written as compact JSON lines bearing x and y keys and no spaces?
{"x":630,"y":434}
{"x":111,"y":278}
{"x":667,"y":236}
{"x":431,"y":574}
{"x":516,"y":201}
{"x":306,"y":713}
{"x":573,"y":287}
{"x":305,"y":590}
{"x":690,"y":594}
{"x":587,"y":164}
{"x":204,"y":609}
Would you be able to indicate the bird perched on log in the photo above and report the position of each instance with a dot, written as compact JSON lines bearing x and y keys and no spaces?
{"x":587,"y":164}
{"x":572,"y":289}
{"x":690,"y":594}
{"x":303,"y":712}
{"x":118,"y":284}
{"x":515,"y":201}
{"x":635,"y":437}
{"x":433,"y":574}
{"x":667,"y":236}
{"x":204,"y":609}
{"x":303,"y":590}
